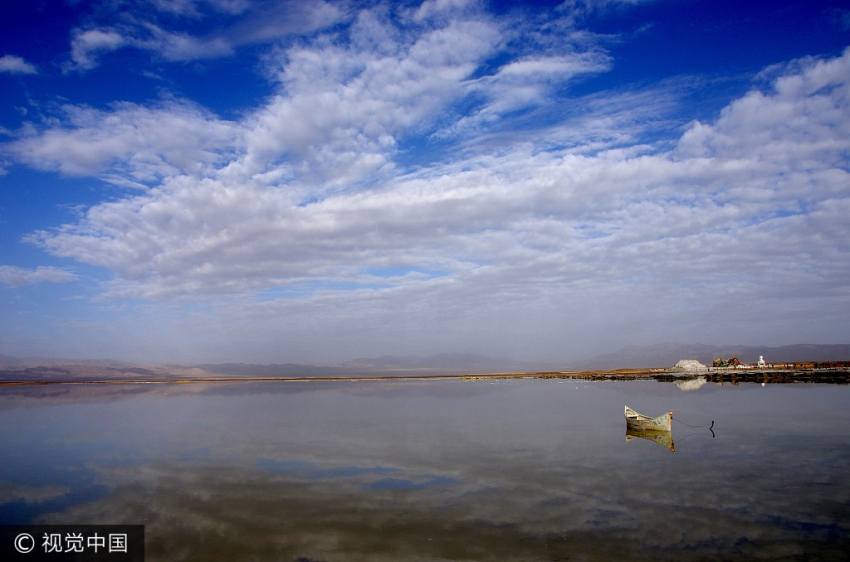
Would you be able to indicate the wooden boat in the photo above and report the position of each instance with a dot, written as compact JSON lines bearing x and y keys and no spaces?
{"x":663,"y":438}
{"x":635,"y":420}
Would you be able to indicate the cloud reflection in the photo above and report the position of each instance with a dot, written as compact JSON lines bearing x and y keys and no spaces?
{"x":526,"y":470}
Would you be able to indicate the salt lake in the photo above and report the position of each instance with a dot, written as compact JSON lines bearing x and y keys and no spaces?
{"x":525,"y":469}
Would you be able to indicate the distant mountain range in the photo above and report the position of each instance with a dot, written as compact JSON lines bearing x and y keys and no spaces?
{"x":11,"y":362}
{"x":634,"y":357}
{"x":34,"y":368}
{"x":444,"y":363}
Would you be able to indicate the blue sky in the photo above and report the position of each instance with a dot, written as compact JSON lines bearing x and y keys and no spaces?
{"x":261,"y":181}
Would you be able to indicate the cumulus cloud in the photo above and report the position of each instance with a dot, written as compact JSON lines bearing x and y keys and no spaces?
{"x":130,"y":144}
{"x":804,"y":110}
{"x":12,"y":64}
{"x":543,"y":211}
{"x":343,"y":110}
{"x":13,"y":276}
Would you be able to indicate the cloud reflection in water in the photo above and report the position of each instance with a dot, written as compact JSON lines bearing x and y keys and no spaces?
{"x":531,"y":470}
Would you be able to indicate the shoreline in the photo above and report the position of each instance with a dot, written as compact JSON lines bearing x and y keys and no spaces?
{"x":734,"y":376}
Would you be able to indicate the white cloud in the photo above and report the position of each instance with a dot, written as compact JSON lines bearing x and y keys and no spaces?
{"x":529,"y":82}
{"x":441,"y":8}
{"x":12,"y":64}
{"x":805,"y":111}
{"x":578,"y":215}
{"x":343,"y":111}
{"x":14,"y":277}
{"x":554,"y":68}
{"x":275,"y":20}
{"x":193,"y":8}
{"x":131,"y":144}
{"x":183,"y":47}
{"x":88,"y":45}
{"x":257,"y":22}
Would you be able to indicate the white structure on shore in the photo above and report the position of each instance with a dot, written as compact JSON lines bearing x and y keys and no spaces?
{"x":689,"y":365}
{"x":761,"y":362}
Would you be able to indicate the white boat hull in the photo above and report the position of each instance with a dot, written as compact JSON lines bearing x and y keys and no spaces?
{"x":664,"y":422}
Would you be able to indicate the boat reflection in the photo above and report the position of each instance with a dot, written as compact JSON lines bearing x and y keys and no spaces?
{"x":663,"y":438}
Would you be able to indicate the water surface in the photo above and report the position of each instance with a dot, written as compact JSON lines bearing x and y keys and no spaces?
{"x":435,"y":470}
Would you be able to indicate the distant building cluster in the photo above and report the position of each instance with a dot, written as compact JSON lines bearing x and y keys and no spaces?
{"x":693,"y":366}
{"x":733,"y":363}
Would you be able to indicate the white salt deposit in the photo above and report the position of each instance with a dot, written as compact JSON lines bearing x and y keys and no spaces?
{"x":690,"y":365}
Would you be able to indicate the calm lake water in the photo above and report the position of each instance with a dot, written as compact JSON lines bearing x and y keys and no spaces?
{"x":435,"y":470}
